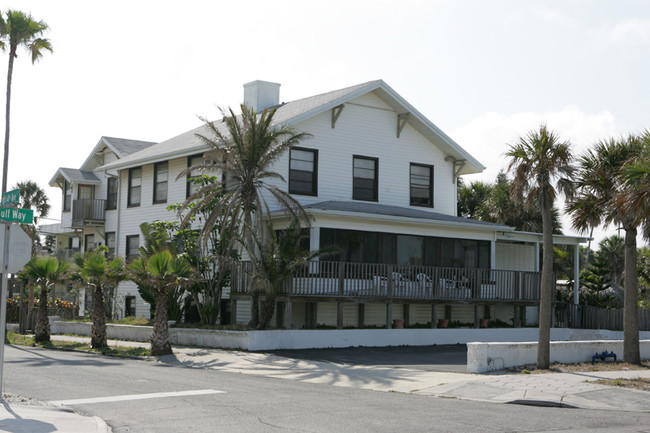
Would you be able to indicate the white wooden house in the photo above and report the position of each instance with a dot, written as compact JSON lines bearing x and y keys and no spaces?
{"x":378,"y":180}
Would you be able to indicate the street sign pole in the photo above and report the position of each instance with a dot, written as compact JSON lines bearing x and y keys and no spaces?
{"x":3,"y":301}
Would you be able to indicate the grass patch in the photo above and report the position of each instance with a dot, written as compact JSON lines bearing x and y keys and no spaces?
{"x":118,"y":351}
{"x":641,"y":383}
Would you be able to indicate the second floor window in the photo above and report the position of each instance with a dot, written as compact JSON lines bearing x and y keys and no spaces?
{"x":135,"y":186}
{"x":160,"y":182}
{"x":365,"y":178}
{"x":67,"y":196}
{"x":192,"y":161}
{"x":111,"y":193}
{"x":132,"y":248}
{"x":303,"y":173}
{"x":85,"y":192}
{"x":421,"y":185}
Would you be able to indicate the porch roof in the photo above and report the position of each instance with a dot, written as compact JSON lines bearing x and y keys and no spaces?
{"x":74,"y":175}
{"x":374,"y":209}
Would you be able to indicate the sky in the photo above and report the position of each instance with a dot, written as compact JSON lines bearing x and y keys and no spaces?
{"x":484,"y":71}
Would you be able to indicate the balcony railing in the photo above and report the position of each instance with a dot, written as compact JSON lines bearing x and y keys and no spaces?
{"x":88,"y":212}
{"x":406,"y":283}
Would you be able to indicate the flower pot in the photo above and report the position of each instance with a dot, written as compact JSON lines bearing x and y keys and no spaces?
{"x":443,"y":323}
{"x":398,"y":323}
{"x":484,"y":323}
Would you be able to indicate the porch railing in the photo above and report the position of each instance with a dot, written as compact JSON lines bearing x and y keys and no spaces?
{"x":417,"y":283}
{"x":88,"y":211}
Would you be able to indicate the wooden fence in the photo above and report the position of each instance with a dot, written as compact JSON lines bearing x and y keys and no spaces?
{"x":588,"y":317}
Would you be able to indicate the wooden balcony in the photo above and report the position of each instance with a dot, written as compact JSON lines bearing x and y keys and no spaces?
{"x":88,"y":213}
{"x":359,"y":282}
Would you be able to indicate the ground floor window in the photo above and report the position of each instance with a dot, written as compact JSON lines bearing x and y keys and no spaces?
{"x":389,"y":248}
{"x":129,"y":306}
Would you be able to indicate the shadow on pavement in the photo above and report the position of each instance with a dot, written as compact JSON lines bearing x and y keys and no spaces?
{"x":447,"y":358}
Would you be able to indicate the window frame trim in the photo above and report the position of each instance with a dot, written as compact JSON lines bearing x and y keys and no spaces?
{"x":431,"y":172}
{"x":375,"y":191}
{"x":314,"y":192}
{"x":128,"y":200}
{"x":156,"y":183}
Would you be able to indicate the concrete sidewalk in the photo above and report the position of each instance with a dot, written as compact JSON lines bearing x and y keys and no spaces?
{"x":20,"y":416}
{"x":550,"y":389}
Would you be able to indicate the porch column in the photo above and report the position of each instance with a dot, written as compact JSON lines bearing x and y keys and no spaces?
{"x":288,"y":323}
{"x":477,"y":316}
{"x":314,"y":239}
{"x":576,"y":274}
{"x":493,"y":254}
{"x":233,"y":311}
{"x":407,"y":314}
{"x":389,"y":315}
{"x":517,"y":318}
{"x":434,"y":316}
{"x":339,"y":315}
{"x":361,"y":319}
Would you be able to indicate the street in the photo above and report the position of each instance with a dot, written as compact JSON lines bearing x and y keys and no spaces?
{"x":147,"y":396}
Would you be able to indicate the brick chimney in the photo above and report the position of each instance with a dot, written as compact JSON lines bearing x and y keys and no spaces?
{"x":261,"y":94}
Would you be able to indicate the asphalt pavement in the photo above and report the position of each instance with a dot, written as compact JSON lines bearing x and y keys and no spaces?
{"x":428,"y":370}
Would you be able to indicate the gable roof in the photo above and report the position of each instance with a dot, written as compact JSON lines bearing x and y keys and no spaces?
{"x":291,"y":113}
{"x":121,"y":147}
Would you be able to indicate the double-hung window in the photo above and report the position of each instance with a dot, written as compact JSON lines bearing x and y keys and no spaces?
{"x":421,"y":185}
{"x":160,"y":175}
{"x":365,"y":178}
{"x":135,"y":186}
{"x":67,"y":196}
{"x":132,"y":248}
{"x":303,"y":171}
{"x":192,"y":161}
{"x":111,"y":193}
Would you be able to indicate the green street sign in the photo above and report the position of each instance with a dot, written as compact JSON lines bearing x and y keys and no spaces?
{"x":11,"y":197}
{"x":23,"y":216}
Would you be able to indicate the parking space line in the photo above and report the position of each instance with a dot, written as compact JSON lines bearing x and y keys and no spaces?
{"x":135,"y":397}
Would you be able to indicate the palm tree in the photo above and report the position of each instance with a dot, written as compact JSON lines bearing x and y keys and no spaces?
{"x":162,"y":272}
{"x":246,"y":147}
{"x":33,"y":197}
{"x":44,"y":272}
{"x":540,"y":160}
{"x":279,"y":257}
{"x":96,"y":271}
{"x":19,"y":29}
{"x":602,"y":186}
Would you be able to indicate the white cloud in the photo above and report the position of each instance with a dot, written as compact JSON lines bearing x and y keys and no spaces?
{"x":627,"y":36}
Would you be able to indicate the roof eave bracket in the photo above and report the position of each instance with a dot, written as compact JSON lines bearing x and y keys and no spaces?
{"x":401,"y":122}
{"x":336,"y":112}
{"x":458,"y":165}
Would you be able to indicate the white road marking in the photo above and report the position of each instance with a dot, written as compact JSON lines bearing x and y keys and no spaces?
{"x":135,"y":397}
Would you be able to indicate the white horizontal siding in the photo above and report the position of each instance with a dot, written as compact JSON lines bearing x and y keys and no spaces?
{"x":368,"y":127}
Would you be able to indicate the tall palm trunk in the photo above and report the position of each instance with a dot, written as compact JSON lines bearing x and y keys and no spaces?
{"x":631,"y":351}
{"x":42,"y":331}
{"x":546,"y":292}
{"x":160,"y":344}
{"x":5,"y":163}
{"x":98,"y":333}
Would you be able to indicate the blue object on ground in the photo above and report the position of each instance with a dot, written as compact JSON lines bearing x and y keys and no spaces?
{"x":603,"y":356}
